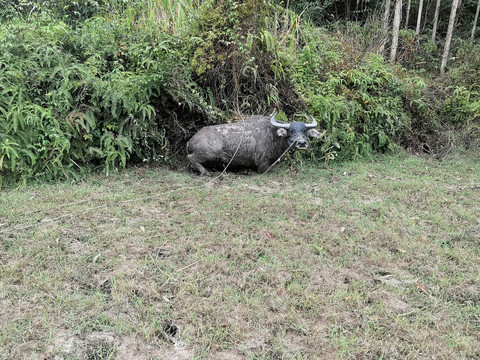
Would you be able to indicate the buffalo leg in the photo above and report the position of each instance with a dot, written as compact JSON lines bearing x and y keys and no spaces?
{"x":262,"y":168}
{"x":195,"y":161}
{"x":261,"y":162}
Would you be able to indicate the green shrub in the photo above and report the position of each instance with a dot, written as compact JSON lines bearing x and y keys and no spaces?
{"x":360,"y":107}
{"x":465,"y":67}
{"x":236,"y":56}
{"x":462,"y":107}
{"x":72,"y":12}
{"x":89,"y":95}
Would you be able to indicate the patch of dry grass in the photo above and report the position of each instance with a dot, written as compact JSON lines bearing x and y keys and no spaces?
{"x":360,"y":260}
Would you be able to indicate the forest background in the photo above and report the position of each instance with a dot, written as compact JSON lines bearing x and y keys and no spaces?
{"x":99,"y":84}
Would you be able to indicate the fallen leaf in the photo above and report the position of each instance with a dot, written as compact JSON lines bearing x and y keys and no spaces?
{"x":421,"y":287}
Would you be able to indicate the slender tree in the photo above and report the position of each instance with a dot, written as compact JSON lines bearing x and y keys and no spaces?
{"x":396,"y":29}
{"x":475,"y":21}
{"x":419,"y":18}
{"x":386,"y":15}
{"x":384,"y":24}
{"x":408,"y":14}
{"x":448,"y":39}
{"x":459,"y":8}
{"x":435,"y":20}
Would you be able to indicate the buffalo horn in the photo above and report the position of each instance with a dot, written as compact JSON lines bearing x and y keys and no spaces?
{"x":277,"y":124}
{"x":313,"y":124}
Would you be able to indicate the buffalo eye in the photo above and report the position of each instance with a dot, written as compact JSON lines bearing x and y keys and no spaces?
{"x":313,"y":133}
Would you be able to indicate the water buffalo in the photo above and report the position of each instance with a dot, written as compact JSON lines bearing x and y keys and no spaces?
{"x":257,"y":142}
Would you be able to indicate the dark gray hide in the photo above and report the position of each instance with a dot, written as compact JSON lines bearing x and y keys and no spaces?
{"x":260,"y":141}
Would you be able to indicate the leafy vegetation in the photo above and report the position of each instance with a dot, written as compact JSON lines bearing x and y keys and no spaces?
{"x":73,"y":97}
{"x":99,"y":84}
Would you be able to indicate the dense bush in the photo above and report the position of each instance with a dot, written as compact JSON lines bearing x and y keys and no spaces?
{"x":360,"y":107}
{"x":116,"y":81}
{"x":70,"y":98}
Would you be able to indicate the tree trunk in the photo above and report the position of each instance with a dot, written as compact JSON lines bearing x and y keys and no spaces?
{"x":408,"y":14}
{"x":475,"y":21}
{"x":435,"y":20}
{"x":384,"y":25}
{"x":459,"y":9}
{"x":425,"y":18}
{"x":396,"y":29}
{"x":448,"y":40}
{"x":356,"y":10}
{"x":386,"y":15}
{"x":419,"y":18}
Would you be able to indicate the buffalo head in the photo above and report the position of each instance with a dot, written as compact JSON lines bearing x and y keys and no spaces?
{"x":296,"y":131}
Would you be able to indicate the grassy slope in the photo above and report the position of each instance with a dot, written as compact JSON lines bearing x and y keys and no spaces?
{"x":359,"y":260}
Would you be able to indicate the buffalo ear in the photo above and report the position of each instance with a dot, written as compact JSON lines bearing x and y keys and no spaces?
{"x":314,"y":133}
{"x":282,"y":132}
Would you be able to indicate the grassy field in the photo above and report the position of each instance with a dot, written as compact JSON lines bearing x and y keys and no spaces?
{"x":366,"y":260}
